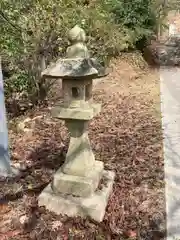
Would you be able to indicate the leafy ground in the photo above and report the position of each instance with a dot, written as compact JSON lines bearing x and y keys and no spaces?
{"x":126,"y":136}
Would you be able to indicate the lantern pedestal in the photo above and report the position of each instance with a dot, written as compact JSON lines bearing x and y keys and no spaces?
{"x":77,"y":185}
{"x":93,"y":206}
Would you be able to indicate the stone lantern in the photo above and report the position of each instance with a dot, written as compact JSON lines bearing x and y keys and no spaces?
{"x":75,"y":189}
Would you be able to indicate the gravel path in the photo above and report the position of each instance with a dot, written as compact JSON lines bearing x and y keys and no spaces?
{"x":170,"y":106}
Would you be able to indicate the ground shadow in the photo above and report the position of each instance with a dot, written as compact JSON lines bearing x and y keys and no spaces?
{"x":38,"y":174}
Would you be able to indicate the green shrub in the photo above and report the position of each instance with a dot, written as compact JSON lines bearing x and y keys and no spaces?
{"x":137,"y":16}
{"x":34,"y":30}
{"x":38,"y":28}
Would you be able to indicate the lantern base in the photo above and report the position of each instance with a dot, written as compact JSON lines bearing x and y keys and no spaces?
{"x":78,"y":185}
{"x":93,"y":206}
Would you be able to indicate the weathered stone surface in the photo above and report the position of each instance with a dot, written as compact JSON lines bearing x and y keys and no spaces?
{"x":76,"y":113}
{"x":70,"y":68}
{"x":78,"y":185}
{"x":75,"y":68}
{"x":79,"y":158}
{"x":77,"y":94}
{"x":76,"y":34}
{"x":93,"y":206}
{"x":77,"y":62}
{"x":77,"y":37}
{"x":169,"y":52}
{"x":74,"y":190}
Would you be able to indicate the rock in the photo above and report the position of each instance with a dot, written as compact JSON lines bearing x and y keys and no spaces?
{"x":169,"y":53}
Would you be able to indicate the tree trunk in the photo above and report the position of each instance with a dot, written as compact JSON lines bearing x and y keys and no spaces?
{"x":42,"y":83}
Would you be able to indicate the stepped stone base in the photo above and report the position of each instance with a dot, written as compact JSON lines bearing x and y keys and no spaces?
{"x":77,"y":185}
{"x":93,"y":206}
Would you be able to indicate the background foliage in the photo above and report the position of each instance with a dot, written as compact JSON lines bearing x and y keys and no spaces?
{"x":33,"y":33}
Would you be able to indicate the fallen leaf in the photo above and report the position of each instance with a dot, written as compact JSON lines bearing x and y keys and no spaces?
{"x":130,"y":234}
{"x":56,"y":225}
{"x":9,"y":234}
{"x":4,"y":208}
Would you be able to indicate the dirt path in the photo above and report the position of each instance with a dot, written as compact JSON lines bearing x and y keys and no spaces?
{"x":126,"y":136}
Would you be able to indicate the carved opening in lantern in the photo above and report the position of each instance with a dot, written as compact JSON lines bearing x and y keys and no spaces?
{"x":75,"y":92}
